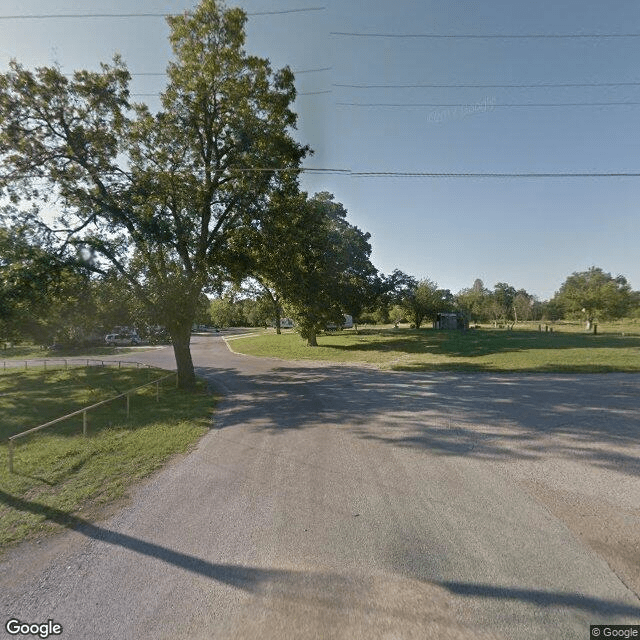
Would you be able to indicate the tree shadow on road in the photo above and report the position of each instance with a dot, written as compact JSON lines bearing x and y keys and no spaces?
{"x":542,"y":598}
{"x":324,"y":589}
{"x":485,"y":416}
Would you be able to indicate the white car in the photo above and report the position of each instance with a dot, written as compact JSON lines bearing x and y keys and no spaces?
{"x":121,"y":340}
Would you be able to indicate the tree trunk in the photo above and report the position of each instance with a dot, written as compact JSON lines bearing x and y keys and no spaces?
{"x":278,"y":331}
{"x":311,"y":339}
{"x":275,"y":300}
{"x":181,"y":337}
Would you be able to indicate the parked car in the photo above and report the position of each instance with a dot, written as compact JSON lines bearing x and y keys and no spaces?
{"x":121,"y":340}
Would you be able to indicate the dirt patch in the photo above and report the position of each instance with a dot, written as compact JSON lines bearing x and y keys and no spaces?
{"x":611,"y":531}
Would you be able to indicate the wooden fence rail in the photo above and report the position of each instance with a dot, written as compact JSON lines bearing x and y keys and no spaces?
{"x":15,"y":364}
{"x":84,"y":410}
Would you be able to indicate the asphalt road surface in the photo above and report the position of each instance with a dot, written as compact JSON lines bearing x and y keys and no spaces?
{"x":345,"y":502}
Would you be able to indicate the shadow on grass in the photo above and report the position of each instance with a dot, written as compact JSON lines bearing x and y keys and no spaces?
{"x":38,"y":478}
{"x":38,"y":353}
{"x":325,"y":589}
{"x":27,"y":351}
{"x":30,"y":399}
{"x":480,"y":342}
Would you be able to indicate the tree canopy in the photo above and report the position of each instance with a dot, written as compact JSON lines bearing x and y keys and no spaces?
{"x":594,"y":294}
{"x":39,"y":290}
{"x":425,"y":301}
{"x":328,"y":271}
{"x":158,"y":196}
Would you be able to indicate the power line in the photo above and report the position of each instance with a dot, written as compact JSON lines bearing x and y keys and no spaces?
{"x":156,"y":94}
{"x":314,"y":70}
{"x":49,"y":16}
{"x":269,"y":13}
{"x":58,"y":16}
{"x":487,"y":104}
{"x":409,"y":174}
{"x":412,"y":174}
{"x":487,"y":86}
{"x":163,"y":73}
{"x":484,"y":36}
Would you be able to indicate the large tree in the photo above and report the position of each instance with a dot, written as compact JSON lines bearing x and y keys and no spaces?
{"x":42,"y":295}
{"x":326,"y":267}
{"x":268,"y":253}
{"x":594,"y":294}
{"x":156,"y":195}
{"x":523,"y":303}
{"x":474,"y":301}
{"x":502,"y":301}
{"x":423,"y":300}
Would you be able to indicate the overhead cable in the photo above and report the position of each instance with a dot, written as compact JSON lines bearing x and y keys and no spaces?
{"x":482,"y":36}
{"x":412,"y":174}
{"x":163,"y":73}
{"x":487,"y":104}
{"x":487,"y":86}
{"x":58,"y":16}
{"x":301,"y":93}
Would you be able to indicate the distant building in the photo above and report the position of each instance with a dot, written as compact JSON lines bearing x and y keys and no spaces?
{"x":451,"y":321}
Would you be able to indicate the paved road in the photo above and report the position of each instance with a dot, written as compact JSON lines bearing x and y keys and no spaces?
{"x":343,"y":502}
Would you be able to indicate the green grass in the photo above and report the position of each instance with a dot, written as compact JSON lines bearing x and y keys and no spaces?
{"x":626,"y":326}
{"x":485,"y":349}
{"x":30,"y":351}
{"x":57,"y":470}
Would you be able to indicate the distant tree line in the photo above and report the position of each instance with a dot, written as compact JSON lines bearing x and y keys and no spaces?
{"x":320,"y":272}
{"x":587,"y":296}
{"x":159,"y":213}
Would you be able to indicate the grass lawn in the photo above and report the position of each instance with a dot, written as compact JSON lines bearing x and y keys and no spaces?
{"x":31,"y":351}
{"x":57,"y":470}
{"x":485,"y":349}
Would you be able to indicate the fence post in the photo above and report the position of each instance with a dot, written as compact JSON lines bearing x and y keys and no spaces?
{"x":25,"y":365}
{"x":87,"y":362}
{"x":45,"y":364}
{"x":119,"y":364}
{"x":84,"y":423}
{"x":10,"y":456}
{"x":66,"y":364}
{"x":127,"y":406}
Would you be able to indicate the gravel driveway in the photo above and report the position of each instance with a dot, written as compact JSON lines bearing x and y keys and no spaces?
{"x":345,"y":502}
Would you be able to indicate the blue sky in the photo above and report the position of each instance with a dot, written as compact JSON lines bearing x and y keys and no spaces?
{"x":530,"y":232}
